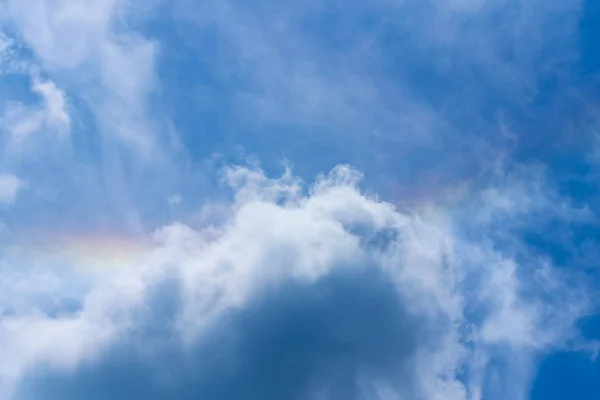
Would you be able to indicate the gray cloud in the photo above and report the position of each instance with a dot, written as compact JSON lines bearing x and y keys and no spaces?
{"x":343,"y":336}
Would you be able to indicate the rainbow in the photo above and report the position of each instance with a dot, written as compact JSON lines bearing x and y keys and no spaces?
{"x":97,"y":252}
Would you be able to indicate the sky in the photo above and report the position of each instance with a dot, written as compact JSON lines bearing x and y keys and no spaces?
{"x":374,"y":200}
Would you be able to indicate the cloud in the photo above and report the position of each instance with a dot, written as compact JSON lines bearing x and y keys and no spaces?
{"x":375,"y":88}
{"x":451,"y":288}
{"x":110,"y":68}
{"x":319,"y":74}
{"x":174,"y":200}
{"x":51,"y":116}
{"x":4,"y":43}
{"x":339,"y":294}
{"x":55,"y":103}
{"x":93,"y":53}
{"x":10,"y":186}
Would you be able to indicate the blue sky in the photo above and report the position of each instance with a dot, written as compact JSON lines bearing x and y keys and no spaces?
{"x":216,"y":199}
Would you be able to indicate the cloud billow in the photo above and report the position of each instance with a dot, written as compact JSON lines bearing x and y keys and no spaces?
{"x":341,"y":295}
{"x":330,"y":339}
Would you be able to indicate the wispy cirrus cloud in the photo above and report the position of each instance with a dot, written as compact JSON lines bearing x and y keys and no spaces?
{"x":108,"y":72}
{"x":402,"y":79}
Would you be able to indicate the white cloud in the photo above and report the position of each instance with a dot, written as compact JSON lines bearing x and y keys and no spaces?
{"x":55,"y":105}
{"x":295,"y":78}
{"x":174,"y":200}
{"x":275,"y":233}
{"x":4,"y":43}
{"x":89,"y":49}
{"x":9,"y":188}
{"x":50,"y":116}
{"x":87,"y":44}
{"x":290,"y":81}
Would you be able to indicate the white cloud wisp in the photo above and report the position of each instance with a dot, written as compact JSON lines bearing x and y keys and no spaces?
{"x":51,"y":116}
{"x":10,"y":186}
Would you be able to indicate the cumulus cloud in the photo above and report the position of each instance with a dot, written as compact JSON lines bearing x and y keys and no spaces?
{"x":302,"y":292}
{"x":9,"y":188}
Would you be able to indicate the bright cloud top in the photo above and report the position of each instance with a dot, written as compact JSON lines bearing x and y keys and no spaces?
{"x":452,"y":309}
